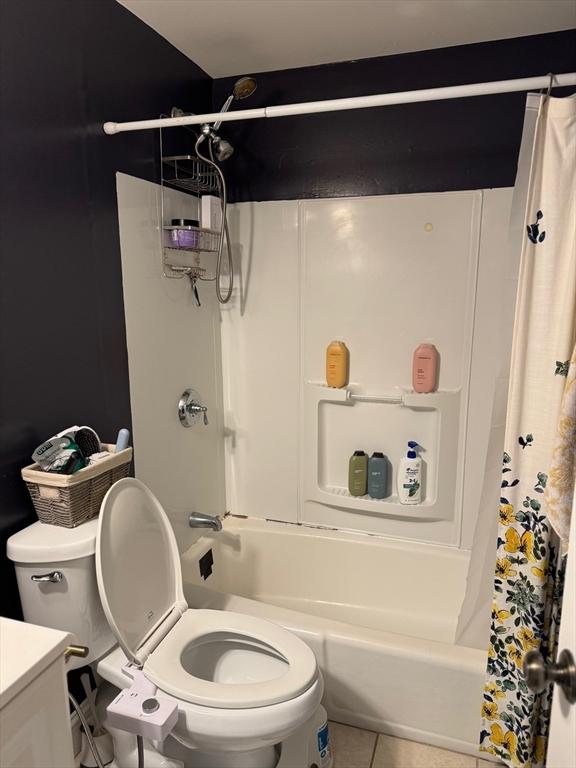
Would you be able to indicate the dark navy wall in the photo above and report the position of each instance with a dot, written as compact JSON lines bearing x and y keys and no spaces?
{"x":65,"y":68}
{"x":430,"y":147}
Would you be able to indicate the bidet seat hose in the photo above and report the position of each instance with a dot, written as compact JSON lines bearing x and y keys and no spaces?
{"x":88,"y":732}
{"x":140,"y":747}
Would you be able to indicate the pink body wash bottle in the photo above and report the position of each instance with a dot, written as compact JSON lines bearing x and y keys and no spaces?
{"x":425,"y":368}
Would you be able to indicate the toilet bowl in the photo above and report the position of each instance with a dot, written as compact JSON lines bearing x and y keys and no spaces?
{"x":240,"y":683}
{"x":218,"y":729}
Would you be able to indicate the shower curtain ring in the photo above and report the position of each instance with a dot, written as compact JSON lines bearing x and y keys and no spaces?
{"x":551,"y":75}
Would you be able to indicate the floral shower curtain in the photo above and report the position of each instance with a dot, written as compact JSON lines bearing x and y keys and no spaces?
{"x":538,"y":464}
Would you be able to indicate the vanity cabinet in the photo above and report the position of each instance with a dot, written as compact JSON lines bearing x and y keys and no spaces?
{"x":34,"y":715}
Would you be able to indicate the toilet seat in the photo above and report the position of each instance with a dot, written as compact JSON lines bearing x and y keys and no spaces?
{"x":210,"y":658}
{"x":196,"y":627}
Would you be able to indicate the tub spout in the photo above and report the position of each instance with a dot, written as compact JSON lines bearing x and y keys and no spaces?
{"x":199,"y":520}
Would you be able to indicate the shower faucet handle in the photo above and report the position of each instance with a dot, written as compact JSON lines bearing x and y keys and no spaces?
{"x":196,"y":410}
{"x":190,"y":409}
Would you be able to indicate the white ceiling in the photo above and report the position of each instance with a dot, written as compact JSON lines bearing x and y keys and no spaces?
{"x":232,"y":37}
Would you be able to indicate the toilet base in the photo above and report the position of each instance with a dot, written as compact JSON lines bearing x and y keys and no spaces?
{"x":306,"y":747}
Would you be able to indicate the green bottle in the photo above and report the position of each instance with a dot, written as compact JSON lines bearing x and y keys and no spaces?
{"x":358,"y":473}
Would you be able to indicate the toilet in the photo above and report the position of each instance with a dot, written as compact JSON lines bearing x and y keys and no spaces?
{"x":247,"y":691}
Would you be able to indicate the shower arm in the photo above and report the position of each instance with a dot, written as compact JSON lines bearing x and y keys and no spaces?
{"x":359,"y":102}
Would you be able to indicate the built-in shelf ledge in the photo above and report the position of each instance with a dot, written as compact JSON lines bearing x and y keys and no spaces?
{"x":442,"y":485}
{"x":400,"y":396}
{"x":368,"y":503}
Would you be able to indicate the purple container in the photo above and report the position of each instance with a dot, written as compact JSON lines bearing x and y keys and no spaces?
{"x":183,"y":233}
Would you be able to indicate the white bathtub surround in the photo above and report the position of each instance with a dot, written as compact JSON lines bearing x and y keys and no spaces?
{"x":389,"y":295}
{"x":260,"y":363}
{"x":384,"y":274}
{"x":172,"y":345}
{"x":379,"y":615}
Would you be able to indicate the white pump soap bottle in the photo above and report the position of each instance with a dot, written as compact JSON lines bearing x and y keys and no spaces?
{"x":410,"y":476}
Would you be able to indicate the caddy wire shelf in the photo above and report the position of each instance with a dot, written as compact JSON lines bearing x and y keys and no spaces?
{"x":189,"y":238}
{"x":191,"y":174}
{"x":196,"y":177}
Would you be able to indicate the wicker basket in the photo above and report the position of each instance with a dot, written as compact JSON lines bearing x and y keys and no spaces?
{"x":69,"y":500}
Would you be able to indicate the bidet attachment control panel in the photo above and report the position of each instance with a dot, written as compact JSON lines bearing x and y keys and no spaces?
{"x":137,"y":709}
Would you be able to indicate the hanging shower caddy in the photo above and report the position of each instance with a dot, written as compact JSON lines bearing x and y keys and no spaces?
{"x":192,"y":175}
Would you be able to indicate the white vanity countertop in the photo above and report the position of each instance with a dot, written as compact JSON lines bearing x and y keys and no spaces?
{"x":25,"y":650}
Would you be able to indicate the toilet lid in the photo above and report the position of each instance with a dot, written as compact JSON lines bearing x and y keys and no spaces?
{"x":137,"y":567}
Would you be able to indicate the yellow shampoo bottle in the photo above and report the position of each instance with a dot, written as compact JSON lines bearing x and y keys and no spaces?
{"x":337,"y":364}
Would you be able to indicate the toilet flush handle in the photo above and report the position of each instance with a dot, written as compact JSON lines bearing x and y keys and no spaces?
{"x":54,"y":577}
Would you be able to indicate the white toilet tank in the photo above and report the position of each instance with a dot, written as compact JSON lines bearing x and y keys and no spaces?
{"x":67,"y":597}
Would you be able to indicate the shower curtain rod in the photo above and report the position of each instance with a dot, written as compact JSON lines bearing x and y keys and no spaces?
{"x":358,"y":102}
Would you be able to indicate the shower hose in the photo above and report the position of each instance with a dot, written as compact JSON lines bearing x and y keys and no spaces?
{"x":223,"y":298}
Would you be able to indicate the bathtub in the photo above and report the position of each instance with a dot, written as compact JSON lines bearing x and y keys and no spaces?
{"x":380,"y":616}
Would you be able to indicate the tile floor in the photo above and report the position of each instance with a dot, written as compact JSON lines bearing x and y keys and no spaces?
{"x":356,"y":748}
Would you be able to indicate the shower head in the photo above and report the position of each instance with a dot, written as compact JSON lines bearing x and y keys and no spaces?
{"x":222,"y":148}
{"x":243,"y":88}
